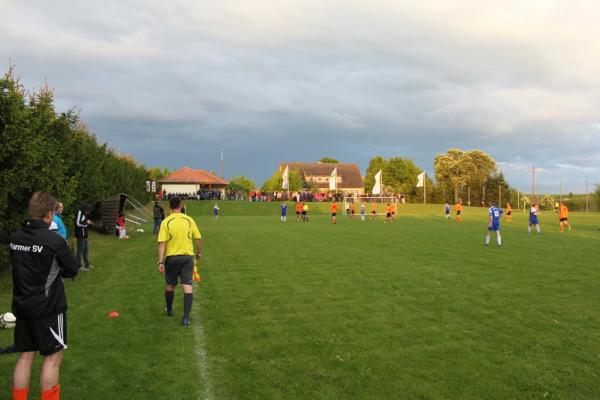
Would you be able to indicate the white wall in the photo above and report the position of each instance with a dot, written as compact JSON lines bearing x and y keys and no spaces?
{"x":189,"y":188}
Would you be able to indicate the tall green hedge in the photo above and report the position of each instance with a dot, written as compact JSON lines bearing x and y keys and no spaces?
{"x":43,"y":150}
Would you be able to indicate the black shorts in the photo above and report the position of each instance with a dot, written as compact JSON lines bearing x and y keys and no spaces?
{"x":509,"y":213}
{"x":333,"y":214}
{"x":304,"y":212}
{"x":47,"y":335}
{"x":458,"y":213}
{"x":352,"y":212}
{"x":179,"y":267}
{"x":563,"y":219}
{"x":389,"y":215}
{"x":297,"y":212}
{"x":373,"y":212}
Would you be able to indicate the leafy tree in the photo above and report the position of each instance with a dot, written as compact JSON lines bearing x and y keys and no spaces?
{"x":375,"y":164}
{"x":328,"y":160}
{"x":400,"y":175}
{"x":241,"y":183}
{"x":457,"y":169}
{"x":295,"y":179}
{"x":43,"y":150}
{"x":494,"y":185}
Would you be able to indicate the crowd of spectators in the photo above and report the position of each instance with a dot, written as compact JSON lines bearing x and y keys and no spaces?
{"x":257,"y":196}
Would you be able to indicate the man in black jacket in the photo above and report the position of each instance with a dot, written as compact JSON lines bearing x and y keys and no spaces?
{"x":82,"y":222}
{"x":40,"y":259}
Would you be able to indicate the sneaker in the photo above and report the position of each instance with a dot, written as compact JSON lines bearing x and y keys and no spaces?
{"x":185,"y":322}
{"x":170,"y":313}
{"x":85,"y":269}
{"x":90,"y":267}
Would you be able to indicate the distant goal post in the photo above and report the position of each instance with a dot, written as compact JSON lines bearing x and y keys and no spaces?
{"x":377,"y":203}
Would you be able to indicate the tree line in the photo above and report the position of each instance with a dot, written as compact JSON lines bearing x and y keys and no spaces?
{"x":54,"y":152}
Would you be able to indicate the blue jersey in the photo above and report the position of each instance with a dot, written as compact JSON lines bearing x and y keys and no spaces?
{"x":283,"y":210}
{"x":495,"y":213}
{"x":447,"y":209}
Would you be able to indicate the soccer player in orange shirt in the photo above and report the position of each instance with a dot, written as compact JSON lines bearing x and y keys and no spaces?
{"x":298,"y":211}
{"x":334,"y":210}
{"x":458,"y":208}
{"x":352,"y":210}
{"x":508,"y":212}
{"x":388,"y":213}
{"x":563,"y":215}
{"x":373,"y":210}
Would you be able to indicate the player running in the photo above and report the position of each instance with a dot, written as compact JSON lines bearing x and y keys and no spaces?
{"x":334,"y":210}
{"x":533,"y":219}
{"x":563,"y":215}
{"x":508,"y":212}
{"x":284,"y":212}
{"x":458,"y":207}
{"x":298,"y":211}
{"x":216,"y":209}
{"x":447,"y":210}
{"x":494,"y":214}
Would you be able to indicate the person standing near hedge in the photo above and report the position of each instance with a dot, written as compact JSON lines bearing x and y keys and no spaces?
{"x":159,"y":214}
{"x":82,"y":222}
{"x":40,"y":259}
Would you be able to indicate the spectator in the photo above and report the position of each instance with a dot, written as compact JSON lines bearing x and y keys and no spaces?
{"x":159,"y":214}
{"x":40,"y":260}
{"x":82,"y":222}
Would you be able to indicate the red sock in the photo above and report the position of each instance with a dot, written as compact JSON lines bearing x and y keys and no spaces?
{"x":20,"y":394}
{"x":51,"y":394}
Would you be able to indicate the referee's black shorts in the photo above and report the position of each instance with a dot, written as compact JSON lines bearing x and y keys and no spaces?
{"x":179,"y":268}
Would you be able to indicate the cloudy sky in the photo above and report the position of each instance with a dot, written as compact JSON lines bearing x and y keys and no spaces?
{"x":172,"y":82}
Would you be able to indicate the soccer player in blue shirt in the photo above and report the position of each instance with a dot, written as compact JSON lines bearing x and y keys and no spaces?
{"x":533,"y":219}
{"x":447,"y":210}
{"x":284,"y":212}
{"x":494,"y":214}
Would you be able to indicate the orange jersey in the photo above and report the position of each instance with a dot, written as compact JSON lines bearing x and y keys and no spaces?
{"x":563,"y":211}
{"x":373,"y":207}
{"x":508,"y":207}
{"x":334,"y":208}
{"x":299,"y":207}
{"x":458,"y":207}
{"x":389,"y":209}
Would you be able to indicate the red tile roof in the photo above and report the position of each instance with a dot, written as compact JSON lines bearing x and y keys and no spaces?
{"x":198,"y":176}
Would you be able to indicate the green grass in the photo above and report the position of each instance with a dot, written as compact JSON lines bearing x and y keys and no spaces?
{"x":419,"y":309}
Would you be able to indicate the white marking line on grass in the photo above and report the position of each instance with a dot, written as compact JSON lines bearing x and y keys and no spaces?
{"x":202,"y":359}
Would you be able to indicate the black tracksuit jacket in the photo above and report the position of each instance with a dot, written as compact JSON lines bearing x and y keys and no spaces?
{"x":40,"y":259}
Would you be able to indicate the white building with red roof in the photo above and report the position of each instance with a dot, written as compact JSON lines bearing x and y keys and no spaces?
{"x":189,"y":181}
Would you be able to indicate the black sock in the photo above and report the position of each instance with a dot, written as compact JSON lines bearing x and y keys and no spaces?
{"x":169,"y":299}
{"x":187,"y":304}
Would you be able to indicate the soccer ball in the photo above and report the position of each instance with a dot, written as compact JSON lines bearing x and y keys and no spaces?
{"x":7,"y":320}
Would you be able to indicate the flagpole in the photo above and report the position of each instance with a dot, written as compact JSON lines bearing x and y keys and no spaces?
{"x":424,"y":187}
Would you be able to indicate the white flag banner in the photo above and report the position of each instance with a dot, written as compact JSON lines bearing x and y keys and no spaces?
{"x":285,"y":185}
{"x":377,"y":187}
{"x":333,"y":180}
{"x":420,"y":179}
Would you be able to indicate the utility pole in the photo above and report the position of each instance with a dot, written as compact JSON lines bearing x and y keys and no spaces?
{"x":222,"y":163}
{"x":587,"y":197}
{"x":533,"y":197}
{"x":560,"y":190}
{"x":499,"y":195}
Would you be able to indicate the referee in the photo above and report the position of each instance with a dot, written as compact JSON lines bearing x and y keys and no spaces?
{"x":176,"y":256}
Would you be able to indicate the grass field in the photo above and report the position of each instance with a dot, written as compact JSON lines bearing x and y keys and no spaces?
{"x":418,"y":309}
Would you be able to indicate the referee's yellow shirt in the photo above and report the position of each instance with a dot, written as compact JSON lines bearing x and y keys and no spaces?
{"x":178,"y":230}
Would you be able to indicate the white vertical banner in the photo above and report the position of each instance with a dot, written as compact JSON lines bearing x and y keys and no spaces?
{"x":333,"y":180}
{"x":286,"y":179}
{"x":377,"y":187}
{"x":421,"y":179}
